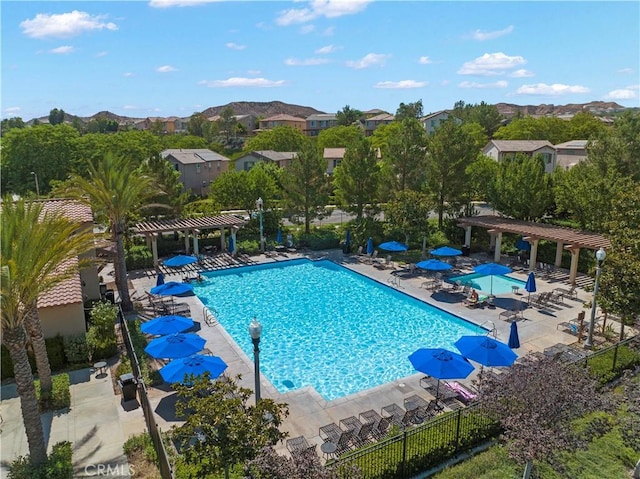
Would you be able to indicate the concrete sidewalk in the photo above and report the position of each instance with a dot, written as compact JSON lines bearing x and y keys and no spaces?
{"x":91,"y":424}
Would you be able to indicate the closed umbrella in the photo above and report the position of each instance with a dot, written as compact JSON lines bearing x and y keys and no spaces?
{"x":441,"y":364}
{"x":196,"y":364}
{"x":172,"y":288}
{"x":446,"y":251}
{"x":347,"y":240}
{"x":434,"y":265}
{"x":393,"y":246}
{"x":279,"y":236}
{"x":232,"y":246}
{"x":514,"y":340}
{"x":370,"y":246}
{"x":492,"y":269}
{"x":530,"y":286}
{"x":176,"y":345}
{"x":160,"y":279}
{"x":180,"y":260}
{"x":486,"y":351}
{"x":523,"y":245}
{"x":166,"y":325}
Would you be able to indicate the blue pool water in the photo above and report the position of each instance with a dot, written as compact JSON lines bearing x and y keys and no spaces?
{"x":326,"y":326}
{"x":501,"y":284}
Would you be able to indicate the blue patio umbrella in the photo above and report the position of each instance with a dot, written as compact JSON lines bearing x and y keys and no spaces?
{"x":446,"y":251}
{"x":347,"y":239}
{"x":232,"y":246}
{"x":279,"y":236}
{"x":514,"y":340}
{"x":492,"y":269}
{"x":441,"y":364}
{"x":160,"y":279}
{"x":176,"y":345}
{"x":180,"y":260}
{"x":370,"y":246}
{"x":530,"y":286}
{"x":196,"y":364}
{"x":166,"y":325}
{"x":485,"y":350}
{"x":172,"y":288}
{"x":523,"y":245}
{"x":434,"y":265}
{"x":393,"y":246}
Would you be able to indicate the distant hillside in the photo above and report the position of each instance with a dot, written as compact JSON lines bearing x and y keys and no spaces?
{"x":597,"y":107}
{"x":262,"y":109}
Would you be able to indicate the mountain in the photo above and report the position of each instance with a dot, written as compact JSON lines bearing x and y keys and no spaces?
{"x":262,"y":109}
{"x":597,"y":107}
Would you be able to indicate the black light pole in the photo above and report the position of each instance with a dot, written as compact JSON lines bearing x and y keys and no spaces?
{"x":35,"y":176}
{"x":600,"y":256}
{"x":255,"y":330}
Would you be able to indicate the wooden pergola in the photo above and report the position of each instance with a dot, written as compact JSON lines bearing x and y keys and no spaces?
{"x":191,"y":227}
{"x":566,"y":238}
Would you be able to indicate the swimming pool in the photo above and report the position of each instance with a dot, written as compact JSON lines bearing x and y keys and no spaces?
{"x":501,"y":284}
{"x":326,"y":326}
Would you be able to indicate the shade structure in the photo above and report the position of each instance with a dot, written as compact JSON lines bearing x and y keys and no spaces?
{"x":434,"y":265}
{"x":523,"y":245}
{"x":232,"y":245}
{"x":176,"y":345}
{"x":514,"y":340}
{"x":196,"y":364}
{"x":492,"y":269}
{"x":160,"y":279}
{"x":172,"y":288}
{"x":446,"y":251}
{"x":279,"y":236}
{"x":166,"y":325}
{"x":441,"y":364}
{"x":370,"y":246}
{"x":393,"y":246}
{"x":530,"y":286}
{"x":486,"y":351}
{"x":180,"y":260}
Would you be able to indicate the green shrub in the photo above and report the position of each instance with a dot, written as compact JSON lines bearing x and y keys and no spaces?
{"x":601,"y":366}
{"x":60,"y":396}
{"x":141,"y":443}
{"x":139,"y":257}
{"x":124,"y":367}
{"x":75,"y":348}
{"x":57,"y":466}
{"x":101,"y":338}
{"x":55,"y":351}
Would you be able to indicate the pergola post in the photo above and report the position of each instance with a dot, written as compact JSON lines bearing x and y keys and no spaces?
{"x":223,"y":241}
{"x":573,"y":269}
{"x":559,"y":250}
{"x":497,"y":254}
{"x":154,"y":247}
{"x":533,"y":257}
{"x":235,"y":243}
{"x":187,"y":245}
{"x":196,"y":251}
{"x":467,"y":236}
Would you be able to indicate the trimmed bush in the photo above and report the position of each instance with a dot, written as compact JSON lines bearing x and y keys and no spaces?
{"x":55,"y":351}
{"x":139,"y":257}
{"x":601,"y":366}
{"x":58,"y":465}
{"x":60,"y":396}
{"x":141,"y":443}
{"x":75,"y":349}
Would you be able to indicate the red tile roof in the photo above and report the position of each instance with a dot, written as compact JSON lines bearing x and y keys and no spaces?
{"x":67,"y":292}
{"x":72,"y":209}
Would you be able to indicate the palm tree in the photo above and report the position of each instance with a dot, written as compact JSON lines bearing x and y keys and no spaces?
{"x":114,"y":191}
{"x":35,"y":255}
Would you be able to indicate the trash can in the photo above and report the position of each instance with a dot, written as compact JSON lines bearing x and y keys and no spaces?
{"x":128,"y":385}
{"x":110,"y":296}
{"x":466,"y":250}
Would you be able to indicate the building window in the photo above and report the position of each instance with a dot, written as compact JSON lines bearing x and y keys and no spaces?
{"x":219,"y":164}
{"x":176,"y":167}
{"x":336,"y":163}
{"x":197,"y":168}
{"x":209,"y":164}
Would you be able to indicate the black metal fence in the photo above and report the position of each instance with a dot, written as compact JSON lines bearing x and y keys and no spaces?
{"x":164,"y":464}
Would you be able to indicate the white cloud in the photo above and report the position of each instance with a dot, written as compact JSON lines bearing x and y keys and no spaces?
{"x":482,"y":36}
{"x":127,"y":74}
{"x":628,"y":93}
{"x":402,"y":84}
{"x":369,"y":60}
{"x":178,"y":3}
{"x":102,"y":54}
{"x":306,"y":29}
{"x":473,"y":84}
{"x":554,"y":90}
{"x":294,"y":62}
{"x":321,"y":8}
{"x":235,"y":46}
{"x":522,"y":73}
{"x":491,"y":64}
{"x":625,"y":71}
{"x":130,"y":107}
{"x":12,"y":110}
{"x":326,"y":50}
{"x":165,"y":69}
{"x":425,"y":60}
{"x":254,"y":72}
{"x":64,"y":49}
{"x":64,"y":25}
{"x":242,"y":82}
{"x":329,"y":31}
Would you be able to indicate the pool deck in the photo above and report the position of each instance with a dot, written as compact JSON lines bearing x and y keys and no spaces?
{"x":308,"y":410}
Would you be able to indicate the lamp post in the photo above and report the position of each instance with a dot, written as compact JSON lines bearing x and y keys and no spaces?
{"x":35,"y":176}
{"x":259,"y":207}
{"x":600,"y":256}
{"x":255,"y":330}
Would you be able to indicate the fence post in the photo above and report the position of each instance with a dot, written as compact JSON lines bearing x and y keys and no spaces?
{"x":404,"y":454}
{"x":615,"y":357}
{"x":459,"y":414}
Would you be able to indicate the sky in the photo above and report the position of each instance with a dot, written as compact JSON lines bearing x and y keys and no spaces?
{"x":177,"y":57}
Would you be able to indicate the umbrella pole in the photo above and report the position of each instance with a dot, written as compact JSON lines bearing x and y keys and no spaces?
{"x":437,"y":393}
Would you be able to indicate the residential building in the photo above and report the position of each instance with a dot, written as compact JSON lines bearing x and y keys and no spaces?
{"x":433,"y":120}
{"x":198,"y":167}
{"x":501,"y":149}
{"x":247,"y":121}
{"x":334,"y":156}
{"x":283,"y":120}
{"x":570,"y":153}
{"x":280,"y":158}
{"x":170,"y":125}
{"x":374,"y":122}
{"x":318,"y":122}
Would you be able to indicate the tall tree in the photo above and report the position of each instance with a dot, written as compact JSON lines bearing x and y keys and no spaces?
{"x":195,"y":125}
{"x":170,"y":187}
{"x":281,"y":138}
{"x":552,"y":129}
{"x":114,"y":194}
{"x":405,"y":155}
{"x":522,"y":189}
{"x":408,"y":214}
{"x":228,"y":122}
{"x":306,"y":189}
{"x":56,"y":116}
{"x":356,"y":179}
{"x":348,"y":116}
{"x":339,"y":137}
{"x":37,"y":252}
{"x":232,"y":189}
{"x":450,"y":152}
{"x":409,"y":110}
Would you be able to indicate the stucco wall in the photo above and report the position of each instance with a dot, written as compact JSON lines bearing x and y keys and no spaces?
{"x":66,"y":320}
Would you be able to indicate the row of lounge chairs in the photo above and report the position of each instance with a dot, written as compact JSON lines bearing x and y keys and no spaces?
{"x":163,"y":307}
